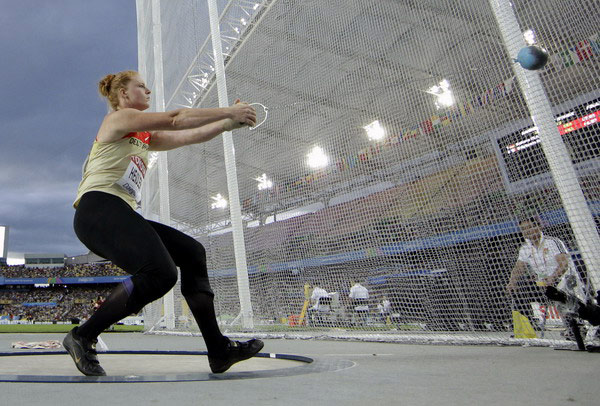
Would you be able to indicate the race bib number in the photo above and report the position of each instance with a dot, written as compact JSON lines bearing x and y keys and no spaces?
{"x":132,"y":180}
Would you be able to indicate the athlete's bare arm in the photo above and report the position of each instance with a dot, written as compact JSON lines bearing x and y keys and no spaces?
{"x":123,"y":121}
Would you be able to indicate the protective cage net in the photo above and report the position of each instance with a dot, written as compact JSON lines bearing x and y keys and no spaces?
{"x":430,"y":162}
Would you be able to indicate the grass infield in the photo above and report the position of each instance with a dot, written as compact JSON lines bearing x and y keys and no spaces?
{"x":59,"y":328}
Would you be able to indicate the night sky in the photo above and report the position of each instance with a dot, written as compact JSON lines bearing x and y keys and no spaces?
{"x":53,"y":55}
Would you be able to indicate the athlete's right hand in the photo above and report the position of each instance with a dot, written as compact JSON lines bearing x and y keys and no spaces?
{"x":243,"y":113}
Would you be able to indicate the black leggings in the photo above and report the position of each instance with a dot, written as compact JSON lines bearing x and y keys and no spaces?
{"x":148,"y":250}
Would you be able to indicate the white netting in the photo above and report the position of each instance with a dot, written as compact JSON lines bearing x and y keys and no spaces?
{"x":427,"y":217}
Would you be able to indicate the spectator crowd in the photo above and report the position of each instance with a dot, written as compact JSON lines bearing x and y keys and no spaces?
{"x":68,"y":271}
{"x":53,"y":303}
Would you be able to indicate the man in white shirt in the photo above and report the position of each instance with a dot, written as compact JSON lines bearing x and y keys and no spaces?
{"x":321,"y":304}
{"x":548,"y":258}
{"x":385,"y":309}
{"x":551,"y":264}
{"x":316,"y":296}
{"x":359,"y":296}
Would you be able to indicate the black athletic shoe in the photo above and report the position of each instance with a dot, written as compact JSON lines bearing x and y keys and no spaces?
{"x":83,"y":352}
{"x":571,"y":303}
{"x":557,"y":295}
{"x":236,"y":351}
{"x":587,"y":311}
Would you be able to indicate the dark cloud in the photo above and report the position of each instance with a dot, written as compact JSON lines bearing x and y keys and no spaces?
{"x":54,"y":54}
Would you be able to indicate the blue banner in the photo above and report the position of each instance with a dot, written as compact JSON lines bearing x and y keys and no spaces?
{"x":441,"y":240}
{"x":32,"y":304}
{"x":62,"y":281}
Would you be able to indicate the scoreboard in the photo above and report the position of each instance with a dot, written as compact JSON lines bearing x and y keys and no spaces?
{"x":519,"y":150}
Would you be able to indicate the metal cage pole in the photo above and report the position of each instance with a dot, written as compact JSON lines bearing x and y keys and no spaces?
{"x":163,"y":167}
{"x":235,"y":211}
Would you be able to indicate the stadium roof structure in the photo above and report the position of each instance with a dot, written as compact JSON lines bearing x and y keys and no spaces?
{"x":326,"y":75}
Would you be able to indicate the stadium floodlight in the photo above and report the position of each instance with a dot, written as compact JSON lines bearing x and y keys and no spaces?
{"x":264,"y":182}
{"x":3,"y":242}
{"x":317,"y":158}
{"x":375,"y":131}
{"x":219,"y":202}
{"x":444,"y":97}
